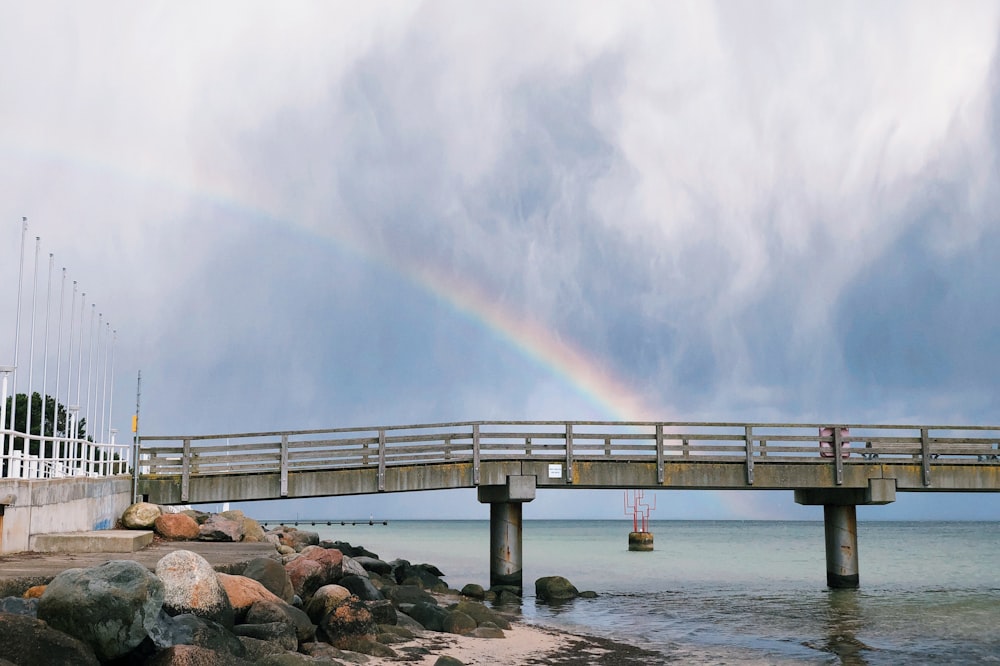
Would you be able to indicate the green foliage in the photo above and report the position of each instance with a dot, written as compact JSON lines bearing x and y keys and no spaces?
{"x":55,"y":422}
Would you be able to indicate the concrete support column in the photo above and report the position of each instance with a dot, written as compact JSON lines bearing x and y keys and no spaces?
{"x":840,"y":523}
{"x":505,"y":528}
{"x":505,"y":544}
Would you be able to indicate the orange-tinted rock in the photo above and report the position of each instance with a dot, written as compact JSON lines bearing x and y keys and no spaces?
{"x":176,"y":527}
{"x":34,"y":592}
{"x":243,"y":592}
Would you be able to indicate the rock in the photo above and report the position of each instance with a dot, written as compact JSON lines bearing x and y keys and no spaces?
{"x":327,"y":651}
{"x":457,"y":622}
{"x":189,"y":629}
{"x":430,"y":616}
{"x":28,"y":640}
{"x":271,"y":575}
{"x":368,"y":646}
{"x":34,"y":592}
{"x":306,"y":579}
{"x":589,"y":594}
{"x":474,"y":591}
{"x":19,"y":606}
{"x":383,"y":612}
{"x":176,"y":527}
{"x":404,"y":621}
{"x":217,"y":528}
{"x":278,"y":633}
{"x":257,"y":649}
{"x":325,"y":600}
{"x":198,"y":516}
{"x":481,"y":614}
{"x":348,"y":621}
{"x":192,"y":655}
{"x":295,"y":538}
{"x":263,"y":612}
{"x":110,"y":607}
{"x":424,"y":575}
{"x":243,"y":592}
{"x":409,"y":594}
{"x":286,"y":550}
{"x":445,"y":660}
{"x":252,"y":531}
{"x":361,"y":587}
{"x":508,"y":598}
{"x":488,"y":632}
{"x":140,"y":516}
{"x":351,"y":567}
{"x":191,"y":586}
{"x":348,"y":549}
{"x":555,"y":588}
{"x":373,"y":564}
{"x":306,"y":576}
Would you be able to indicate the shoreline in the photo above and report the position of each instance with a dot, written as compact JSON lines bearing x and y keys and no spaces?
{"x":527,"y":643}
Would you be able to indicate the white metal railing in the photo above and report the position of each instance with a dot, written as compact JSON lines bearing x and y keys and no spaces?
{"x":60,"y":457}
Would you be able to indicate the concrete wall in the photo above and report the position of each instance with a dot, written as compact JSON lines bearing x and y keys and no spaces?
{"x":46,"y":506}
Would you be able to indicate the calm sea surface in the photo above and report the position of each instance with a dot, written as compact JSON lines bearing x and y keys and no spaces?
{"x":732,"y":591}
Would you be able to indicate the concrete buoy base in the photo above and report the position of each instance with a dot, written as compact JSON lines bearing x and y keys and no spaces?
{"x":641,"y":541}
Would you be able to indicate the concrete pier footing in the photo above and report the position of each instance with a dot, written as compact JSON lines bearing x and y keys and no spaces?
{"x":840,"y":524}
{"x":505,"y":528}
{"x":640,"y":541}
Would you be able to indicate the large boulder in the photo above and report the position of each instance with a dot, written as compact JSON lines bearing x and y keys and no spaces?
{"x":243,"y":592}
{"x":347,"y":622}
{"x":188,"y":629}
{"x":306,"y":576}
{"x":263,"y":612}
{"x":272,"y":575}
{"x":278,"y":633}
{"x":430,"y":616}
{"x":110,"y":607}
{"x":555,"y":588}
{"x":28,"y":640}
{"x":140,"y":516}
{"x":218,"y":528}
{"x":295,"y":538}
{"x":373,"y":564}
{"x":480,"y":613}
{"x":193,"y":655}
{"x":251,"y":529}
{"x":362,"y":588}
{"x":325,"y":600}
{"x":191,"y":585}
{"x":176,"y":527}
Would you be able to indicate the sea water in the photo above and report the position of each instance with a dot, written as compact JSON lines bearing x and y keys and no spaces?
{"x":740,"y":591}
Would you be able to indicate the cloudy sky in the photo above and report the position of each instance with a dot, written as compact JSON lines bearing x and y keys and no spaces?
{"x":335,"y":214}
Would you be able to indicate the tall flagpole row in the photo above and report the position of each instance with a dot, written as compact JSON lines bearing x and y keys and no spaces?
{"x":75,"y":433}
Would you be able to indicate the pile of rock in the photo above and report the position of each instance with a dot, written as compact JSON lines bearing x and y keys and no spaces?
{"x":191,"y":525}
{"x":314,"y":602}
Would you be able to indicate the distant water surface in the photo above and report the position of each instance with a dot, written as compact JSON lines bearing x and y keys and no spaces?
{"x":741,"y":591}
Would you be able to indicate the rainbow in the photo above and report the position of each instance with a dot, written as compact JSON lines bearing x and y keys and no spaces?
{"x":573,"y":366}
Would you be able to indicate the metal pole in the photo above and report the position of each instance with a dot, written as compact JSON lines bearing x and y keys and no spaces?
{"x":505,"y":544}
{"x":45,"y":365}
{"x":31,"y":349}
{"x":17,"y":334}
{"x":135,"y":440}
{"x":104,"y":381}
{"x":55,"y":393}
{"x":111,"y":397}
{"x":90,"y":375}
{"x":69,"y":359}
{"x":5,"y":370}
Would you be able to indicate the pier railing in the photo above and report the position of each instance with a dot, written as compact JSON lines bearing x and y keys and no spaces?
{"x":750,"y":444}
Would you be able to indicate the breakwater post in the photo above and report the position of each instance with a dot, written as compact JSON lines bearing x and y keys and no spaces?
{"x":505,"y":528}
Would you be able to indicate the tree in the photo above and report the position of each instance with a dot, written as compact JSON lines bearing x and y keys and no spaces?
{"x":55,"y":421}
